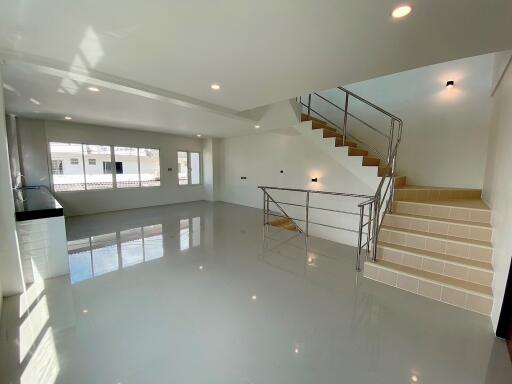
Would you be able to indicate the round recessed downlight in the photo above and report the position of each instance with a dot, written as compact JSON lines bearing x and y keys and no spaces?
{"x":67,"y":118}
{"x":401,"y":11}
{"x":93,"y":89}
{"x":215,"y":87}
{"x":257,"y":126}
{"x":198,"y":135}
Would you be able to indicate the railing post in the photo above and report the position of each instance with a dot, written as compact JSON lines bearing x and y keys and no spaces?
{"x":307,"y":215}
{"x":345,"y":116}
{"x":309,"y":106}
{"x":390,"y":142}
{"x":368,"y":233}
{"x":376,"y":226}
{"x":264,"y":208}
{"x":360,"y":238}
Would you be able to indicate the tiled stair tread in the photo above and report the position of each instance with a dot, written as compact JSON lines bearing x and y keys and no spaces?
{"x":457,"y":203}
{"x":438,"y":256}
{"x":441,"y":219}
{"x":440,"y":237}
{"x":422,"y":188}
{"x":456,"y":283}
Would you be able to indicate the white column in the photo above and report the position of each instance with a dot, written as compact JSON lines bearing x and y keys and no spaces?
{"x":11,"y":278}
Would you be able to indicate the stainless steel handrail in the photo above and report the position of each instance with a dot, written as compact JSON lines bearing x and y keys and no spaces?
{"x":384,"y":194}
{"x":267,"y":198}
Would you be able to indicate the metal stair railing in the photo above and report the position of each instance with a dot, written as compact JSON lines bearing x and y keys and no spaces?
{"x":382,"y":201}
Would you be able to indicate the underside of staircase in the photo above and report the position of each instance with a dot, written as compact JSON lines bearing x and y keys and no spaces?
{"x":436,"y":242}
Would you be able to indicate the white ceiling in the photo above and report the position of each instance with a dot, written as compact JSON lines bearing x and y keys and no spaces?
{"x":259,"y":51}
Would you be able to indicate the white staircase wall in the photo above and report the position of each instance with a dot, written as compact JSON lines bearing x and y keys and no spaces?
{"x":261,"y":157}
{"x":368,"y":175}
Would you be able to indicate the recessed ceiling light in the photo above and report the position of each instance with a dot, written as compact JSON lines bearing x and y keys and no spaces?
{"x":201,"y":267}
{"x":93,"y":89}
{"x":450,"y":84}
{"x":215,"y":87}
{"x":198,"y":135}
{"x":34,"y":101}
{"x":414,"y":378}
{"x":254,"y":297}
{"x":257,"y":126}
{"x":401,"y":11}
{"x":68,"y":118}
{"x":84,"y":311}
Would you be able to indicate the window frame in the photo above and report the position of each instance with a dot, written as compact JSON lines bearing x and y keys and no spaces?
{"x":112,"y":161}
{"x":189,"y":168}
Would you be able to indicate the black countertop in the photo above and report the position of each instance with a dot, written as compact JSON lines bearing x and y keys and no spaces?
{"x":36,"y":203}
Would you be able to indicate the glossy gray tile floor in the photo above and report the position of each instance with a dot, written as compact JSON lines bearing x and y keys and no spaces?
{"x":195,"y":293}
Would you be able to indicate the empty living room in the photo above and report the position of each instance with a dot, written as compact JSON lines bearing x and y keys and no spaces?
{"x":256,"y":192}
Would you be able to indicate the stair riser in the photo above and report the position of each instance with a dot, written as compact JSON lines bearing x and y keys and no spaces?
{"x":449,"y":247}
{"x":443,"y":212}
{"x":442,"y":267}
{"x":440,"y":228}
{"x":432,"y":290}
{"x":400,"y":181}
{"x":435,"y":194}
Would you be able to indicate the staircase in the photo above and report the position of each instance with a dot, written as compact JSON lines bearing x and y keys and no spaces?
{"x":436,"y":242}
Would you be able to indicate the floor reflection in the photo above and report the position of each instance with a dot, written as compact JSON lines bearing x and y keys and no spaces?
{"x":97,"y":255}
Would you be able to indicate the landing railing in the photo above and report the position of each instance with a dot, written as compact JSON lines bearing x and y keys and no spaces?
{"x":381,"y":202}
{"x":364,"y":213}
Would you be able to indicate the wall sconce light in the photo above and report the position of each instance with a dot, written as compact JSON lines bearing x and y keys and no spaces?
{"x":315,"y":180}
{"x":450,"y":84}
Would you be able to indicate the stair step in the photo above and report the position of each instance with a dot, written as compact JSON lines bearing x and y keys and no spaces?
{"x":384,"y":171}
{"x":357,"y":152}
{"x":280,"y":221}
{"x":400,"y":181}
{"x":456,"y":267}
{"x":464,"y":294}
{"x":330,"y":132}
{"x":485,"y":266}
{"x":305,"y":117}
{"x":284,"y":223}
{"x":427,"y":193}
{"x":370,"y":161}
{"x":442,"y":226}
{"x":463,"y":210}
{"x":450,"y":245}
{"x":348,"y":143}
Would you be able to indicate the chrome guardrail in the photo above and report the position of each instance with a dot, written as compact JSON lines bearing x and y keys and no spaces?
{"x":381,"y":202}
{"x":366,"y":205}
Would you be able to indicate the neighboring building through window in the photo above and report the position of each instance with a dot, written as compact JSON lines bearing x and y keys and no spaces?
{"x":189,"y":168}
{"x":134,"y":167}
{"x":57,"y":167}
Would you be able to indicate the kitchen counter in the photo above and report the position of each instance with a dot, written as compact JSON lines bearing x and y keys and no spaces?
{"x":36,"y":203}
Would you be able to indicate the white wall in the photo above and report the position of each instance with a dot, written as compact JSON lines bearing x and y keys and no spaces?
{"x":11,"y":280}
{"x":261,"y":157}
{"x":445,"y":131}
{"x":498,"y":185}
{"x":87,"y":202}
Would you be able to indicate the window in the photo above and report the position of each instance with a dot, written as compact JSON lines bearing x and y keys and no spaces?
{"x":78,"y":167}
{"x":128,"y":169}
{"x":149,"y":160}
{"x":67,"y":167}
{"x":57,"y":167}
{"x":95,"y":177}
{"x":107,"y":167}
{"x":189,"y":168}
